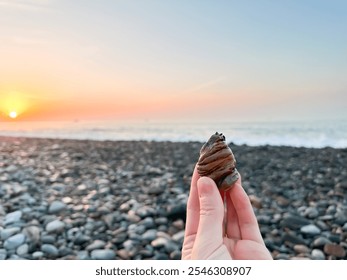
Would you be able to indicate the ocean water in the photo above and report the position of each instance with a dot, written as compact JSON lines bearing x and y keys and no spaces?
{"x":313,"y":134}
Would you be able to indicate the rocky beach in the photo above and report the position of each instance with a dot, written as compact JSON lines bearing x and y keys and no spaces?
{"x":79,"y":199}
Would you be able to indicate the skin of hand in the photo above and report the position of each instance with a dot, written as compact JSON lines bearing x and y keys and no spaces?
{"x":205,"y":236}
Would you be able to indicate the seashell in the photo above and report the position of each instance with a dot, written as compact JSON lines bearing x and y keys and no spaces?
{"x":217,"y":161}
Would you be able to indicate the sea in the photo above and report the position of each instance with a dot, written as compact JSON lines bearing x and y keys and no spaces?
{"x":311,"y":134}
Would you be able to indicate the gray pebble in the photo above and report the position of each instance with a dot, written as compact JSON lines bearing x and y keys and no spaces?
{"x":55,"y":226}
{"x":33,"y":234}
{"x":48,"y":239}
{"x":14,"y":241}
{"x":175,"y":255}
{"x":311,"y":212}
{"x":83,"y":255}
{"x":37,"y":255}
{"x":320,"y":241}
{"x":22,"y":250}
{"x":13,"y":217}
{"x":310,"y":230}
{"x":150,"y":235}
{"x":7,"y":232}
{"x":50,"y":250}
{"x":317,"y":254}
{"x":3,"y":254}
{"x":56,"y":207}
{"x":178,"y":237}
{"x":105,"y":254}
{"x":97,"y":244}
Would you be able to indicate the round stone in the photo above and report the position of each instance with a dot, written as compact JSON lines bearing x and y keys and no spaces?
{"x":83,"y":255}
{"x":55,"y":226}
{"x":178,"y":237}
{"x":159,"y":242}
{"x":300,"y":248}
{"x":317,"y":254}
{"x":105,"y":254}
{"x":14,"y":241}
{"x":3,"y":254}
{"x":13,"y":217}
{"x":97,"y":244}
{"x":310,"y":230}
{"x":22,"y":250}
{"x":7,"y":232}
{"x":56,"y":207}
{"x":150,"y":235}
{"x":321,"y":241}
{"x":50,"y":250}
{"x":37,"y":255}
{"x":334,"y":250}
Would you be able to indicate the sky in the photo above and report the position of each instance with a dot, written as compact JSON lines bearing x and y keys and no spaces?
{"x":153,"y":59}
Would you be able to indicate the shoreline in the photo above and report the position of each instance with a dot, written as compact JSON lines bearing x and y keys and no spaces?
{"x":231,"y":143}
{"x":88,"y":199}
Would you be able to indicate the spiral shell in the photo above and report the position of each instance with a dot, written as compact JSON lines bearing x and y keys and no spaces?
{"x":217,"y":161}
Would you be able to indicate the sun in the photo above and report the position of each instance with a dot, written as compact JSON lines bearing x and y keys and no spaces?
{"x":13,"y":114}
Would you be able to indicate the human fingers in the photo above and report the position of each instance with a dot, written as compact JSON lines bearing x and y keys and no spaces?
{"x":210,"y":229}
{"x":193,"y":206}
{"x":248,"y":223}
{"x":232,"y":221}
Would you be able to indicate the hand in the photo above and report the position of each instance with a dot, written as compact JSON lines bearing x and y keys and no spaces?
{"x":205,"y":236}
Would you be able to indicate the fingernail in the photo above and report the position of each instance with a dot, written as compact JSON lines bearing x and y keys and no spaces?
{"x":205,"y":185}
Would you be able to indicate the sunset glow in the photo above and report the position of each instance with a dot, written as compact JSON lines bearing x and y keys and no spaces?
{"x":13,"y":115}
{"x":226,"y":60}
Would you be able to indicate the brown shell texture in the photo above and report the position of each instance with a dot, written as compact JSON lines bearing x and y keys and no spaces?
{"x":217,"y":161}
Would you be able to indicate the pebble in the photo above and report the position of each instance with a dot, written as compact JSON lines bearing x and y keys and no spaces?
{"x":159,"y":242}
{"x":79,"y":203}
{"x":14,"y":241}
{"x":123,"y":254}
{"x":310,"y":229}
{"x":32,"y":233}
{"x":38,"y":255}
{"x":55,"y":226}
{"x":83,"y":255}
{"x":105,"y":254}
{"x":282,"y":256}
{"x":3,"y":254}
{"x":317,"y":254}
{"x":149,"y":235}
{"x":56,"y":207}
{"x":255,"y":201}
{"x":320,"y":241}
{"x":50,"y":250}
{"x":22,"y":250}
{"x":311,"y":212}
{"x":7,"y":232}
{"x":97,"y":244}
{"x":177,"y":211}
{"x":13,"y":217}
{"x":334,"y":250}
{"x":295,"y":222}
{"x":301,"y":249}
{"x":175,"y":255}
{"x":48,"y":239}
{"x":178,"y":237}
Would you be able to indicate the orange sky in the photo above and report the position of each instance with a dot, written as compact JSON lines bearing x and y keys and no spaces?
{"x":60,"y":60}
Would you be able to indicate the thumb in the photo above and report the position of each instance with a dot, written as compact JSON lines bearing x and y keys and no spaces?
{"x":210,"y":229}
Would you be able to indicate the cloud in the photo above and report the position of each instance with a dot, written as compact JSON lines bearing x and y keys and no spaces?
{"x":27,"y":5}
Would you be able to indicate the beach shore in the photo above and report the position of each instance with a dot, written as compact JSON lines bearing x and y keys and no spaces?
{"x":74,"y":199}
